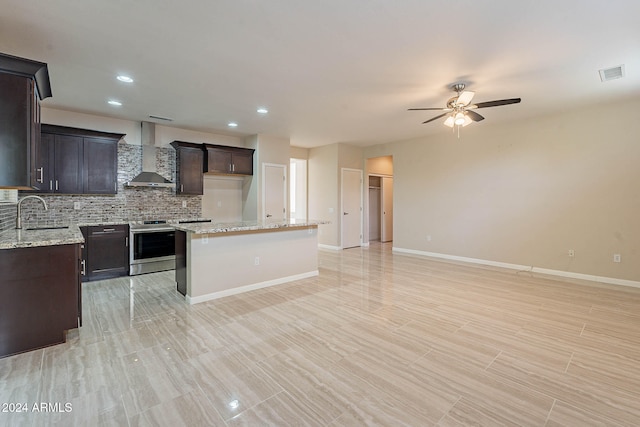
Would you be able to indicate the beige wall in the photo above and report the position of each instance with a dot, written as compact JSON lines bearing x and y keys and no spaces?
{"x":269,"y":149}
{"x":526,"y":192}
{"x":325,"y":169}
{"x":382,"y":165}
{"x":298,"y":152}
{"x":323,"y":185}
{"x":222,"y":199}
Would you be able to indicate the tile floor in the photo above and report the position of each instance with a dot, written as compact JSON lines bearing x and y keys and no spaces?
{"x":376,"y":339}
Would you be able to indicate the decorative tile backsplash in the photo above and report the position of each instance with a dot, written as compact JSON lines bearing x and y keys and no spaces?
{"x":130,"y":204}
{"x":7,"y":216}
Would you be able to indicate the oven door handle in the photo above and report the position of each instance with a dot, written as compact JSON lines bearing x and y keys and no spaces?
{"x":150,"y":230}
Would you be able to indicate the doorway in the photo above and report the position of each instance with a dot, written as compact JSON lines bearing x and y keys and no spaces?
{"x":379,"y":224}
{"x":298,"y":189}
{"x":380,"y":208}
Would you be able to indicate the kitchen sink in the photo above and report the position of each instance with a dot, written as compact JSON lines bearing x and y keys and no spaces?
{"x":59,"y":227}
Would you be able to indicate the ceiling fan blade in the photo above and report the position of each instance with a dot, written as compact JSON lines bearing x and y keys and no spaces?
{"x":435,"y":118}
{"x":474,"y":116}
{"x":465,"y":97}
{"x":496,"y":103}
{"x":429,"y":109}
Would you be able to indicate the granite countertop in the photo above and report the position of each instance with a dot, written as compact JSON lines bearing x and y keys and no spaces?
{"x":25,"y":238}
{"x":232,"y":227}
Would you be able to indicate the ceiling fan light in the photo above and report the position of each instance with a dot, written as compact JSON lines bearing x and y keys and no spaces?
{"x":467,"y":121}
{"x":449,"y":121}
{"x":459,"y":119}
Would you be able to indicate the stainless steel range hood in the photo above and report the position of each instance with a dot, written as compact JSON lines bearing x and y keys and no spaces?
{"x":149,"y":177}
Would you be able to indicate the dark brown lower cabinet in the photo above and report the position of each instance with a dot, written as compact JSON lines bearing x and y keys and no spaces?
{"x":106,"y":251}
{"x":39,"y":296}
{"x":181,"y":261}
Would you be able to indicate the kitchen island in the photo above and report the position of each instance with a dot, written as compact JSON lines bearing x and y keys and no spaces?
{"x":214,"y":260}
{"x":40,"y":297}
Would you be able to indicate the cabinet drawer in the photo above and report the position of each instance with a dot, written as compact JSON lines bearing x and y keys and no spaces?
{"x":95,"y":230}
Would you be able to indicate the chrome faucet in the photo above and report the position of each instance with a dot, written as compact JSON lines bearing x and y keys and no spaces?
{"x":18,"y":219}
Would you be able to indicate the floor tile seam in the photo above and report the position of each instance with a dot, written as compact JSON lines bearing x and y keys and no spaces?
{"x":246,"y":410}
{"x":566,"y":369}
{"x":521,"y":387}
{"x":446,"y":413}
{"x":611,"y":422}
{"x":555,"y":389}
{"x":486,"y":369}
{"x":124,"y":408}
{"x":628,"y":390}
{"x":211,"y":403}
{"x":598,"y":352}
{"x":546,"y":421}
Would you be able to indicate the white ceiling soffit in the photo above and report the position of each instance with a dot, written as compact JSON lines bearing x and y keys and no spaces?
{"x":330,"y":71}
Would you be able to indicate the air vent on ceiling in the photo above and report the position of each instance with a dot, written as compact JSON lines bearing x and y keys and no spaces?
{"x":611,"y":73}
{"x":166,"y":119}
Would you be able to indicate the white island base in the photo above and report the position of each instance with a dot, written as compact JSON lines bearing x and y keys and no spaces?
{"x":223,"y":263}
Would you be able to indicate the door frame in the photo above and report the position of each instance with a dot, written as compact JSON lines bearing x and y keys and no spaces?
{"x":342,"y":170}
{"x":264,"y":189}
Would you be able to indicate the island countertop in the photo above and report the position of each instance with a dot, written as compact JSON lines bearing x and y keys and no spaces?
{"x":246,"y":226}
{"x":25,"y":238}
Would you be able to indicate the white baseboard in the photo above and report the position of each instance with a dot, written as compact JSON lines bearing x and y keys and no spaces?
{"x":329,"y":247}
{"x":527,"y":268}
{"x":251,"y":287}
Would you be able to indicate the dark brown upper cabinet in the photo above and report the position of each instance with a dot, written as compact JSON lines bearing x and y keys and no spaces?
{"x":77,"y":161}
{"x":189,"y":159}
{"x":23,"y":83}
{"x":223,"y":160}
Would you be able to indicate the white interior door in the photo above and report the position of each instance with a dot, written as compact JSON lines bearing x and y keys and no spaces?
{"x":274,"y":178}
{"x":386,"y":195}
{"x":351,"y":207}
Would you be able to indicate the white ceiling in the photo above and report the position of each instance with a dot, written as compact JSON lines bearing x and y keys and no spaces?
{"x":328,"y":71}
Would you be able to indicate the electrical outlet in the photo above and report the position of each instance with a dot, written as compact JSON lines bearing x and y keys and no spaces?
{"x":76,"y":206}
{"x":205,"y":239}
{"x":572,"y":253}
{"x":184,"y":203}
{"x":617,"y":258}
{"x":428,"y":237}
{"x":256,"y":261}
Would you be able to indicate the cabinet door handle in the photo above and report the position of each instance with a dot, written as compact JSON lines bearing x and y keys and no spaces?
{"x":50,"y":185}
{"x":126,"y":241}
{"x":41,"y":179}
{"x":233,"y":167}
{"x":181,"y":188}
{"x":83,"y":263}
{"x":108,"y":230}
{"x":56,"y":185}
{"x":269,"y":215}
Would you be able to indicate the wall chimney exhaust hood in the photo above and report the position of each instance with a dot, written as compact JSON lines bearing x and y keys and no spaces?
{"x":149,"y":177}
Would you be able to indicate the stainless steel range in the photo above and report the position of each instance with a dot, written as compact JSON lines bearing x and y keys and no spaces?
{"x":152,"y":247}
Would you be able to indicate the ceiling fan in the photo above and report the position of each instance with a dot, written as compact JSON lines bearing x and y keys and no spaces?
{"x":459,"y":109}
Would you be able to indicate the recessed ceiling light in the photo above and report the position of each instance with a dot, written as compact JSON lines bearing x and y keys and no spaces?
{"x":232,"y":125}
{"x":262,"y":110}
{"x":125,"y":79}
{"x":115,"y":103}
